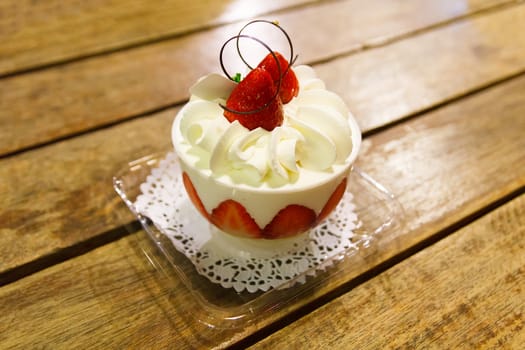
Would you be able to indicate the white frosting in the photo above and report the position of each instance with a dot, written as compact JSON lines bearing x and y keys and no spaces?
{"x":300,"y":162}
{"x":316,"y":134}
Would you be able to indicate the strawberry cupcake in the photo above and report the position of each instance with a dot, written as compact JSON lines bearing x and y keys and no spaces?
{"x":266,"y":155}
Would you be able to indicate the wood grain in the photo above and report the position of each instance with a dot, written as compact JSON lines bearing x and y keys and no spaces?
{"x":109,"y":297}
{"x":43,"y":106}
{"x":44,"y":32}
{"x":57,"y":196}
{"x":436,"y":66}
{"x":466,"y":291}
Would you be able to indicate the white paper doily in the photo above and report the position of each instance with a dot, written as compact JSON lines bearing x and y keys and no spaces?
{"x":239,"y":263}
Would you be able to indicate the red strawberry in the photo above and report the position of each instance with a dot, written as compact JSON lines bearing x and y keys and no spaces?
{"x":192,"y":193}
{"x":230,"y":216}
{"x":251,"y":94}
{"x":333,"y":200}
{"x":289,"y":221}
{"x":289,"y":84}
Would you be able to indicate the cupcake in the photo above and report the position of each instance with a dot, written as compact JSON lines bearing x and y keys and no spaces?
{"x":267,"y":155}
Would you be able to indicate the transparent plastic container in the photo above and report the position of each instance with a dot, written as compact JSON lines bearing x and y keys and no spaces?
{"x":377,"y":210}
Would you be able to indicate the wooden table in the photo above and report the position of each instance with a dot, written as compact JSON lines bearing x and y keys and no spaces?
{"x":438,"y":88}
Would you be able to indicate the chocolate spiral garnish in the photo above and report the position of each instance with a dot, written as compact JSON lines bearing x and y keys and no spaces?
{"x":237,"y":37}
{"x":281,"y":73}
{"x":275,"y":24}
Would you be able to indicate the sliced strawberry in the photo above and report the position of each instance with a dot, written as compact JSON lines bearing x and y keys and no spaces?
{"x":251,"y":94}
{"x":290,"y":221}
{"x":333,"y":200}
{"x":194,"y":197}
{"x":231,"y":217}
{"x":289,"y":83}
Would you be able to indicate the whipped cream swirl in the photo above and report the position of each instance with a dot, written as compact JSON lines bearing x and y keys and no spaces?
{"x":315,"y":135}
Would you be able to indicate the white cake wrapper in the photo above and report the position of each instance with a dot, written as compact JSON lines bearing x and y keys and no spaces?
{"x":242,"y":263}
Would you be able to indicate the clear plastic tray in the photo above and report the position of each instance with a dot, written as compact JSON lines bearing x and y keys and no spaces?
{"x":378,"y":213}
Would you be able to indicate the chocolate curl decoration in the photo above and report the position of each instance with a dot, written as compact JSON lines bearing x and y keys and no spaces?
{"x":237,"y":37}
{"x":266,"y":46}
{"x":275,"y":24}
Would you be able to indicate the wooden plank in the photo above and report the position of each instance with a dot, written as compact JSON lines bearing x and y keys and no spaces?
{"x":443,"y":65}
{"x":101,"y":300}
{"x":57,"y":196}
{"x":464,"y":292}
{"x":108,"y":297}
{"x":84,"y":166}
{"x":44,"y":32}
{"x":83,"y":95}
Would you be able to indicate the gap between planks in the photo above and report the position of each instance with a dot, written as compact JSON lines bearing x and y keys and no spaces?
{"x":418,"y":31}
{"x":61,"y":255}
{"x":445,"y":102}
